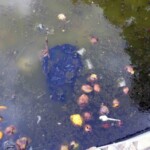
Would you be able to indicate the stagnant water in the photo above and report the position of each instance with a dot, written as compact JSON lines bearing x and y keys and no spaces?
{"x":21,"y":73}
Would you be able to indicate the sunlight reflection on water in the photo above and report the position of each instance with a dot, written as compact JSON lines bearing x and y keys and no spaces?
{"x":23,"y":7}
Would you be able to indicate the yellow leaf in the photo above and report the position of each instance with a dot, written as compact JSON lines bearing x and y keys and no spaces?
{"x":1,"y":135}
{"x":76,"y":119}
{"x":3,"y":107}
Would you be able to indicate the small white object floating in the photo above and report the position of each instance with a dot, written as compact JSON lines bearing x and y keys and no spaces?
{"x":38,"y":119}
{"x":89,"y":64}
{"x":61,"y":17}
{"x":40,"y":26}
{"x":59,"y":123}
{"x":105,"y":118}
{"x":121,"y":82}
{"x":81,"y":51}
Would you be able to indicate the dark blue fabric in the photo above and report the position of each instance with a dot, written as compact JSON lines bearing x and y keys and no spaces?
{"x":61,"y":69}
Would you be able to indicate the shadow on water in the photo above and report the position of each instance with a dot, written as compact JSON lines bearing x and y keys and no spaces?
{"x":118,"y":46}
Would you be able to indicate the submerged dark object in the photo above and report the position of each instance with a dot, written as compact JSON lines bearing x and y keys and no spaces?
{"x":61,"y":65}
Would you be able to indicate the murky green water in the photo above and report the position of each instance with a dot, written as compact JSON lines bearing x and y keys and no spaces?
{"x":118,"y":46}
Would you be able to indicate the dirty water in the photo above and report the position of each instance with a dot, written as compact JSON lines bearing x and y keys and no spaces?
{"x":23,"y":85}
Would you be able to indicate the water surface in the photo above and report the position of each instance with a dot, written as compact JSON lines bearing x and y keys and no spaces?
{"x":21,"y":73}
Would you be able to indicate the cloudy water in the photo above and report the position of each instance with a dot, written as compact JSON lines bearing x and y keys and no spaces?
{"x":23,"y":85}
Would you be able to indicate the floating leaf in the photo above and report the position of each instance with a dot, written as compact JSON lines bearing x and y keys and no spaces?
{"x":103,"y":109}
{"x":87,"y":116}
{"x":76,"y":119}
{"x":97,"y":88}
{"x":1,"y":135}
{"x":115,"y":103}
{"x":125,"y":90}
{"x":92,"y":78}
{"x":87,"y":128}
{"x":74,"y":145}
{"x":22,"y":143}
{"x":10,"y":130}
{"x":129,"y":69}
{"x":83,"y":100}
{"x":86,"y":88}
{"x":3,"y":107}
{"x":94,"y":40}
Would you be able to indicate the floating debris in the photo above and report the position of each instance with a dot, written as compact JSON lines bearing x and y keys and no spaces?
{"x":87,"y":116}
{"x":86,"y":88}
{"x":87,"y":128}
{"x":94,"y":40}
{"x":81,"y":51}
{"x":44,"y":53}
{"x":115,"y":103}
{"x":129,"y":69}
{"x":3,"y":107}
{"x":76,"y":119}
{"x":61,"y":17}
{"x":121,"y":82}
{"x":83,"y":100}
{"x":89,"y":64}
{"x":125,"y":90}
{"x":103,"y":109}
{"x":10,"y":130}
{"x":130,"y":21}
{"x":92,"y":78}
{"x":22,"y":143}
{"x":64,"y":147}
{"x":74,"y":145}
{"x":105,"y":118}
{"x":59,"y":123}
{"x":63,"y":30}
{"x":40,"y":96}
{"x":42,"y":28}
{"x":1,"y":135}
{"x":38,"y":119}
{"x":97,"y":88}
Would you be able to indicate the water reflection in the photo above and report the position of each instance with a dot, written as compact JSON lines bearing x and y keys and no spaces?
{"x":21,"y":73}
{"x":22,"y":8}
{"x":136,"y":31}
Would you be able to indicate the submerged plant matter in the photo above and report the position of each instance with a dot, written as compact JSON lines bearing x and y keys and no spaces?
{"x":76,"y":119}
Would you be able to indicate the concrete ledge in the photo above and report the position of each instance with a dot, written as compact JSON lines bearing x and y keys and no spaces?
{"x":140,"y":142}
